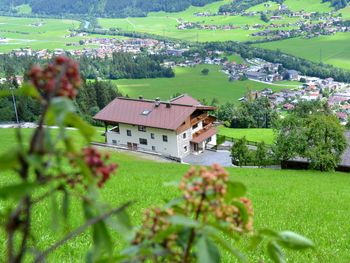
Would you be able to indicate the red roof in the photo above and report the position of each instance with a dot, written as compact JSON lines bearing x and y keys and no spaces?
{"x":205,"y":135}
{"x":186,"y":100}
{"x":145,"y":113}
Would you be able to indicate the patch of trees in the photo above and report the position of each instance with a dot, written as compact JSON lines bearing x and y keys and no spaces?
{"x":121,"y":65}
{"x":93,"y":96}
{"x":242,"y":5}
{"x":107,"y":8}
{"x":317,"y":138}
{"x":305,"y":67}
{"x":337,"y":4}
{"x":253,"y":113}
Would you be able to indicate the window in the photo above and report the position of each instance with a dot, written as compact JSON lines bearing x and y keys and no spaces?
{"x":114,"y":141}
{"x":152,"y":136}
{"x":146,"y":112}
{"x":165,"y":138}
{"x":209,"y":139}
{"x":184,"y":135}
{"x":185,"y":149}
{"x":195,"y":126}
{"x":143,"y":141}
{"x":142,"y":128}
{"x":128,"y":132}
{"x":154,"y":148}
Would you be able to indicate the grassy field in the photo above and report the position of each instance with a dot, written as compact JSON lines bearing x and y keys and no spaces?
{"x":314,"y":204}
{"x":254,"y":135}
{"x":334,"y":49}
{"x":192,"y":82}
{"x":162,"y":23}
{"x":51,"y":34}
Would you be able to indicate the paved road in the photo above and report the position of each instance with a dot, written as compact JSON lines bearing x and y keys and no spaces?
{"x":208,"y":158}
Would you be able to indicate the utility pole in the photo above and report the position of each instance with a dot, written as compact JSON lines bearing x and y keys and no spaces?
{"x":15,"y":106}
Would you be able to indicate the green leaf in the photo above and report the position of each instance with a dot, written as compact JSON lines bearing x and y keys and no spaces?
{"x":85,"y":129}
{"x":217,"y":236}
{"x":207,"y":251}
{"x":268,"y":232}
{"x":65,"y":204}
{"x":17,"y":191}
{"x":292,"y":240}
{"x":102,"y":240}
{"x":29,"y":90}
{"x":183,"y":221}
{"x":275,"y":252}
{"x":243,"y":210}
{"x":235,"y":190}
{"x":123,"y":224}
{"x":255,"y":241}
{"x":9,"y":160}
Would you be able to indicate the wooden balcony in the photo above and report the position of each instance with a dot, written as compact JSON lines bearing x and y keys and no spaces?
{"x":198,"y":118}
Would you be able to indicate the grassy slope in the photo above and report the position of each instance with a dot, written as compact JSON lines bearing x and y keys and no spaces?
{"x":191,"y":81}
{"x":255,"y":135}
{"x":335,"y":48}
{"x":21,"y":34}
{"x":311,"y":203}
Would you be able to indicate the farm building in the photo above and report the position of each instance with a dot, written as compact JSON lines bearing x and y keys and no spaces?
{"x":174,"y":128}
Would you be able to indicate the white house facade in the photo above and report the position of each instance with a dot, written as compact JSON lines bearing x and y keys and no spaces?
{"x":175,"y":128}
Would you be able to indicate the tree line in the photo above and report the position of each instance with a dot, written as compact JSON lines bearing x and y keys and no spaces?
{"x":242,"y":5}
{"x":120,"y":65}
{"x":107,"y":8}
{"x":93,"y":96}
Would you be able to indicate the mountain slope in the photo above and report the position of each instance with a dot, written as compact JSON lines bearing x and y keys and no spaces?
{"x":104,"y":8}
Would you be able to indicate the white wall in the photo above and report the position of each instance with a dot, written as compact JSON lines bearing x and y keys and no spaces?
{"x":168,"y":148}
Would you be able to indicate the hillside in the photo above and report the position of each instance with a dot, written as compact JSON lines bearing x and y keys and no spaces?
{"x":113,"y":8}
{"x":282,"y":200}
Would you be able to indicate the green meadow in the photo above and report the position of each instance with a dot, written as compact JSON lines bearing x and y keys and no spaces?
{"x":311,"y":203}
{"x":334,"y":50}
{"x":254,"y":135}
{"x":165,"y":24}
{"x":190,"y":80}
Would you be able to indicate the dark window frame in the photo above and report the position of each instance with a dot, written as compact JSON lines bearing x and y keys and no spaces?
{"x":165,"y":138}
{"x":128,"y":133}
{"x":142,"y":128}
{"x":143,"y":141}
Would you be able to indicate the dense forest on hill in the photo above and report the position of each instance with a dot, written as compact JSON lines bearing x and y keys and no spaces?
{"x":109,"y":8}
{"x":93,"y":96}
{"x":120,"y":66}
{"x":338,"y":4}
{"x":242,"y":5}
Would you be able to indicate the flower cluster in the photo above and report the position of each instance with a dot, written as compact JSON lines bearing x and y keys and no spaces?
{"x":97,"y":164}
{"x":206,"y":194}
{"x":205,"y":199}
{"x":60,"y":78}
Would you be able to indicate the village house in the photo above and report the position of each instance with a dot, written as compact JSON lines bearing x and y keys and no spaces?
{"x":174,"y":128}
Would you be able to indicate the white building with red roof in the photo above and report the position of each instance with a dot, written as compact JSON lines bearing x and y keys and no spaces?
{"x":174,"y":128}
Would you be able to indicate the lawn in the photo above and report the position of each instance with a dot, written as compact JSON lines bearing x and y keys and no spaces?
{"x":254,"y":135}
{"x":332,"y":50}
{"x":192,"y":82}
{"x":314,"y":204}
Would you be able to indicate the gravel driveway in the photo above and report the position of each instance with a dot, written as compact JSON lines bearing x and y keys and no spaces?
{"x":208,"y":158}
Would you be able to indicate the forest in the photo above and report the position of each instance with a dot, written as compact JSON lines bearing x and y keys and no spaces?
{"x":119,"y":66}
{"x":108,"y":8}
{"x":93,"y":96}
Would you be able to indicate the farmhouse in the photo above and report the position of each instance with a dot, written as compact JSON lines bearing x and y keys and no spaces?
{"x":174,"y":128}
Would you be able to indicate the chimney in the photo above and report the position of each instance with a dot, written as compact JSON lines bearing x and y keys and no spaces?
{"x":168,"y":104}
{"x":157,"y":102}
{"x":140,"y":97}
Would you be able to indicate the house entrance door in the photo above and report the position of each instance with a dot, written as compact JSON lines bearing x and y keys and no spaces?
{"x":134,"y":146}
